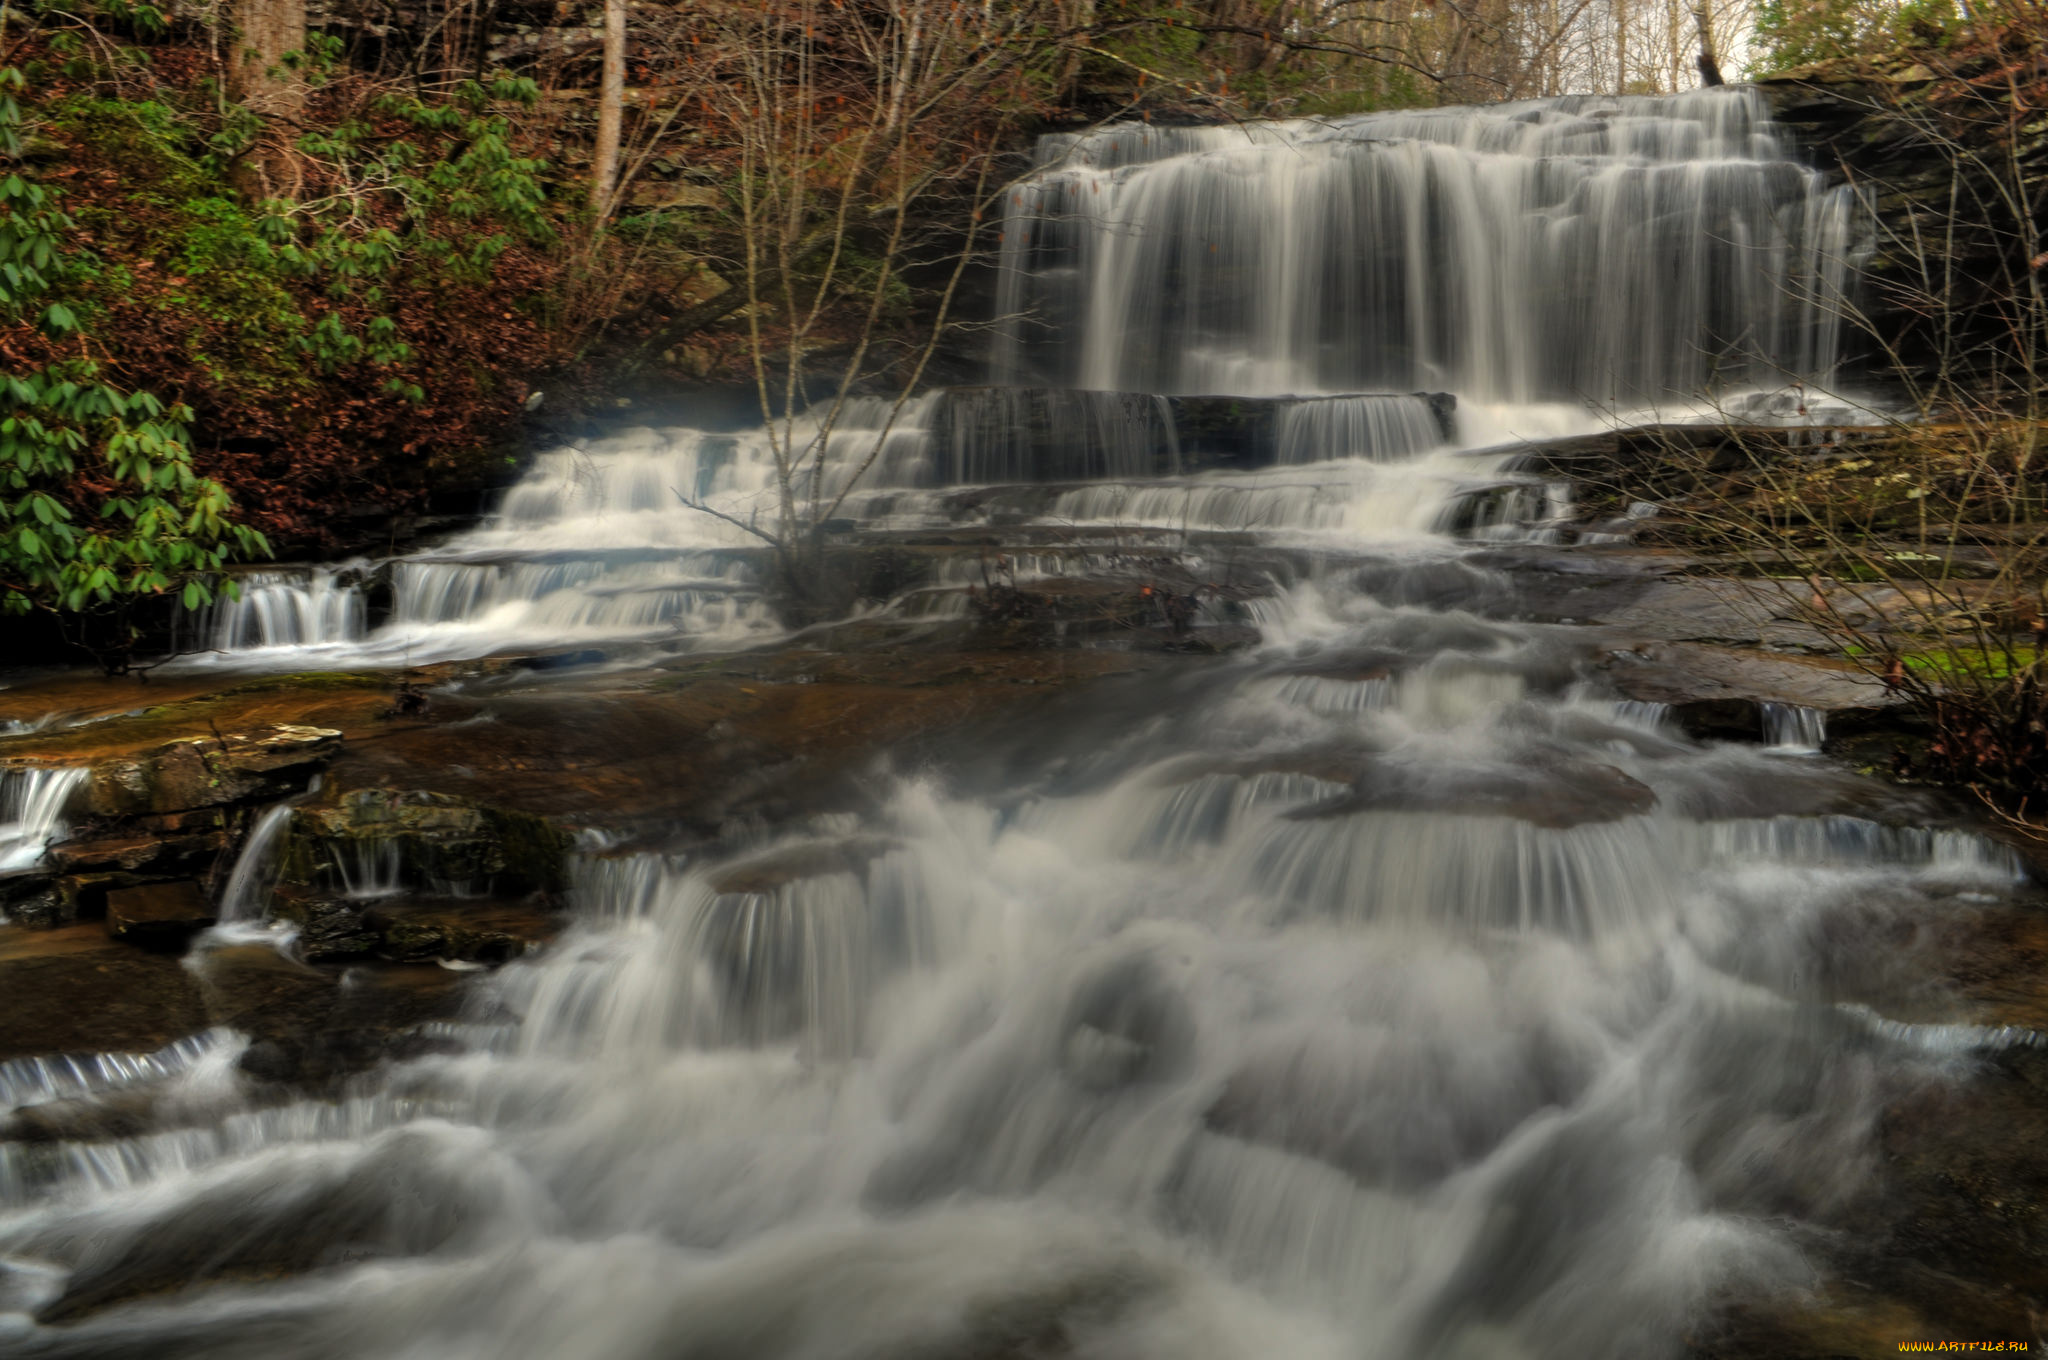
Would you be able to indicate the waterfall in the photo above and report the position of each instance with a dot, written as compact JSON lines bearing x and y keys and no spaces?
{"x":1381,"y":428}
{"x":33,"y":807}
{"x":1250,"y":328}
{"x":1004,"y":434}
{"x":1396,"y":251}
{"x":1390,"y":989}
{"x":311,"y":607}
{"x":247,"y":894}
{"x":1789,"y":727}
{"x":27,"y":1081}
{"x":1202,"y":1049}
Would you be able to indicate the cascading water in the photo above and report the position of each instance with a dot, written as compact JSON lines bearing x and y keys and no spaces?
{"x":1392,"y":992}
{"x":1203,"y":1055}
{"x":1381,"y":428}
{"x":1790,"y":727}
{"x":1396,"y":251}
{"x":1548,"y":266}
{"x":314,"y":607}
{"x":33,"y":808}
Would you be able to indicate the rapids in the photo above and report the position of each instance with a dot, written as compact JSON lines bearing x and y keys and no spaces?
{"x":1389,"y":991}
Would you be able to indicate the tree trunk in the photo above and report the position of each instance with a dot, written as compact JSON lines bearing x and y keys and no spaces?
{"x":262,"y":82}
{"x":611,"y":110}
{"x":1709,"y":63}
{"x":1620,"y":46}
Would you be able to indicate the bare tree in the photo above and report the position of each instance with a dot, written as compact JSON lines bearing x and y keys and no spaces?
{"x":853,"y":129}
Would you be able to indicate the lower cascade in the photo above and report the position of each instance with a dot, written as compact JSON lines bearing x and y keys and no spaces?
{"x":1394,"y":987}
{"x":1208,"y":1047}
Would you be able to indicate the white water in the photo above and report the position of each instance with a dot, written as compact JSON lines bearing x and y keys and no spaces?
{"x":1150,"y":1067}
{"x":1794,"y":729}
{"x":1423,"y":250}
{"x":33,"y":807}
{"x":281,"y":609}
{"x":246,"y":895}
{"x":1392,"y":992}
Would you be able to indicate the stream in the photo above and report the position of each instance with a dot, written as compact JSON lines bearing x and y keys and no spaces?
{"x":1392,"y":987}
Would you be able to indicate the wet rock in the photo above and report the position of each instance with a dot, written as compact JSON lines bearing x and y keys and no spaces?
{"x":787,"y":863}
{"x":159,"y":915}
{"x":1720,"y":691}
{"x":83,"y":897}
{"x":1218,"y":640}
{"x":1438,"y":585}
{"x":1125,"y":1024}
{"x":1554,"y":793}
{"x":1734,"y":613}
{"x":72,"y":990}
{"x":328,"y":928}
{"x":1845,"y":1321}
{"x":561,"y":661}
{"x":102,"y":1118}
{"x":1960,"y":1233}
{"x":394,"y":1199}
{"x":309,"y":1025}
{"x":200,"y":772}
{"x":188,"y":843}
{"x":425,"y":837}
{"x":31,"y":900}
{"x":476,"y":932}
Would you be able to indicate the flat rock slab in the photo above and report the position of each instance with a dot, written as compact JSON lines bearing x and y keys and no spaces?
{"x":1680,"y":673}
{"x":1706,"y":609}
{"x":159,"y":915}
{"x":73,"y":990}
{"x":201,"y":772}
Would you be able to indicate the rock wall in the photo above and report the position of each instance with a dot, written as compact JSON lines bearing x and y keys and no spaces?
{"x":1952,"y":154}
{"x":153,"y":836}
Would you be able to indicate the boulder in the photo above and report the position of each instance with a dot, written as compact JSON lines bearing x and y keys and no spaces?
{"x":30,"y":900}
{"x":433,"y":837}
{"x":311,"y":1025}
{"x":380,"y":850}
{"x":329,"y":928}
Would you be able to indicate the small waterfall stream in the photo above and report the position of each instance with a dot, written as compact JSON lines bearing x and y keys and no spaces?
{"x":1388,"y":992}
{"x":34,"y":804}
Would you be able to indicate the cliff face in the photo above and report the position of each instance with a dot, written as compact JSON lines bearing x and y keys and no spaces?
{"x":1951,"y":152}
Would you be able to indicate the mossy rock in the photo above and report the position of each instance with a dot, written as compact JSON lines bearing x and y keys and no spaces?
{"x":478,"y":932}
{"x":435,"y":838}
{"x":200,"y":772}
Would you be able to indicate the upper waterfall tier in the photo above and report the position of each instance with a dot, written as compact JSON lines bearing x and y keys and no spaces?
{"x":1620,"y":251}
